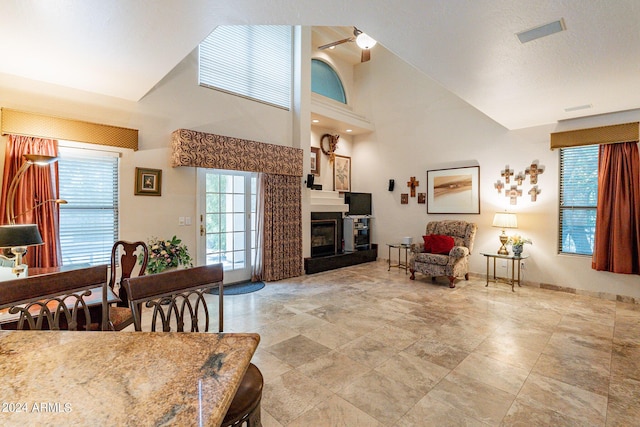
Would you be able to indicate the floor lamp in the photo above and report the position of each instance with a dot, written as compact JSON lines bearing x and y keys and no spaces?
{"x":32,"y":159}
{"x":17,"y":237}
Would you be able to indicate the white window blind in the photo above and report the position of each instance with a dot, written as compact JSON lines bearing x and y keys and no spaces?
{"x":578,"y":199}
{"x":250,"y":61}
{"x":89,"y":221}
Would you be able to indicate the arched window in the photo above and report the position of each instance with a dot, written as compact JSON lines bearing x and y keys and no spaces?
{"x":325,"y":81}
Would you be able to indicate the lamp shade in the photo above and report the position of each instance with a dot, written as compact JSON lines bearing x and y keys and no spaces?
{"x":505,"y":220}
{"x":17,"y":235}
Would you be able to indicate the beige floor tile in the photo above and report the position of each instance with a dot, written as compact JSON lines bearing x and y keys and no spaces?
{"x":623,"y":408}
{"x":433,"y":412}
{"x":493,"y":372}
{"x":298,"y":350}
{"x":473,"y":398}
{"x":522,"y":415}
{"x":438,"y":352}
{"x":335,"y":412}
{"x":512,"y":355}
{"x":367,"y":351}
{"x":546,"y":393}
{"x":585,"y":373}
{"x":334,"y":370}
{"x":383,"y":398}
{"x":290,"y":395}
{"x":416,"y":372}
{"x":393,"y":337}
{"x":270,"y":366}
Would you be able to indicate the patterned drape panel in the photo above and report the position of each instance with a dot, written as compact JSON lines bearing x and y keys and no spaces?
{"x":206,"y":150}
{"x":282,"y":227}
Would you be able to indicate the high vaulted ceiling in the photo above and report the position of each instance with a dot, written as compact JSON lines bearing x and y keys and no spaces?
{"x":122,"y":48}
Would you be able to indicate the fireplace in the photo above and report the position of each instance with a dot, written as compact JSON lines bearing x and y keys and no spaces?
{"x":324,"y":237}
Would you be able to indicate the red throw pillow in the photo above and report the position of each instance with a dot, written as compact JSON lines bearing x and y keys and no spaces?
{"x":441,"y":244}
{"x":427,"y":242}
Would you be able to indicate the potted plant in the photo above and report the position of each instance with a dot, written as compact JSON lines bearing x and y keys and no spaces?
{"x":517,"y":244}
{"x":167,"y":254}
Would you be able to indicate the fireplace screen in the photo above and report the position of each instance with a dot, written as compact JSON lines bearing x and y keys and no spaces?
{"x":324,"y":239}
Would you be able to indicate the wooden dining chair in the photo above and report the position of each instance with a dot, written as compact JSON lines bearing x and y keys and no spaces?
{"x":69,"y":300}
{"x":177,"y":302}
{"x":120,"y":315}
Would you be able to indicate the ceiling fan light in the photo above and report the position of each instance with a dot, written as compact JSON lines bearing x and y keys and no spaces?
{"x":364,"y":41}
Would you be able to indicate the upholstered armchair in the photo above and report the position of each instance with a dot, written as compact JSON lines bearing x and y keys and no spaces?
{"x":453,"y":262}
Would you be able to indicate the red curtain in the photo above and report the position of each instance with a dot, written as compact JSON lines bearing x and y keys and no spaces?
{"x":617,"y":237}
{"x":39,"y":184}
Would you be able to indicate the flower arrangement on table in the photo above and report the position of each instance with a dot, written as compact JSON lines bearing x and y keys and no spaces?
{"x":517,"y":244}
{"x":164,"y":254}
{"x":518,"y":240}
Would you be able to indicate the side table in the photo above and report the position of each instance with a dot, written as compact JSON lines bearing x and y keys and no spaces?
{"x":400,"y":264}
{"x":515,"y":265}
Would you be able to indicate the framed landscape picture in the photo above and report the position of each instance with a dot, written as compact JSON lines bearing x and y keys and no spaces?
{"x":148,"y":182}
{"x":342,"y":174}
{"x":453,"y":191}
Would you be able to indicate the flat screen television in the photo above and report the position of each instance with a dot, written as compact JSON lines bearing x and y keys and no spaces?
{"x":359,"y":203}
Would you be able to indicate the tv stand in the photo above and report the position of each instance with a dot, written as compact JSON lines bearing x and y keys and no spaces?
{"x":357,"y":233}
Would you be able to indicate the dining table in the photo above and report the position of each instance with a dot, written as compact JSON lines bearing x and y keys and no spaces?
{"x":120,"y":378}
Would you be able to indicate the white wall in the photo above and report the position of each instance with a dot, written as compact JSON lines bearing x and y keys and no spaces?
{"x":421,"y":126}
{"x":176,"y":102}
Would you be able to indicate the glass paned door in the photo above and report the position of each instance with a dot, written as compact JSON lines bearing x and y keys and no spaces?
{"x":228,"y":221}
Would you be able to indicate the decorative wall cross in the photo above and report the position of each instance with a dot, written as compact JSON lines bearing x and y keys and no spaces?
{"x":413,"y":184}
{"x":506,"y":174}
{"x":513,"y":194}
{"x":533,"y":171}
{"x":519,"y":178}
{"x":499,"y":186}
{"x":534,"y":193}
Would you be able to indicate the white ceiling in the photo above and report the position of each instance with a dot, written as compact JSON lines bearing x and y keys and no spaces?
{"x":122,"y":48}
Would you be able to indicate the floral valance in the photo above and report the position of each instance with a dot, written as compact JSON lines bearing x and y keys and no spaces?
{"x":207,"y":150}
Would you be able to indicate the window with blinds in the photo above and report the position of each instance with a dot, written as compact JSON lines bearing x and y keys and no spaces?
{"x":578,"y":199}
{"x":250,"y":61}
{"x":89,"y":221}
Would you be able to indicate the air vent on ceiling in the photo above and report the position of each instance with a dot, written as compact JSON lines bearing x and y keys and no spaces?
{"x":541,"y":31}
{"x":578,"y":107}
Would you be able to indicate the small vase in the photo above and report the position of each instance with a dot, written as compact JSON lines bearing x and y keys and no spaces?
{"x":517,"y":250}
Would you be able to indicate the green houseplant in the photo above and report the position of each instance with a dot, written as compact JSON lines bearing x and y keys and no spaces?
{"x":165,"y":254}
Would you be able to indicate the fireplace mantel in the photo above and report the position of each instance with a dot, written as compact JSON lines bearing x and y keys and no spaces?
{"x":327,"y":201}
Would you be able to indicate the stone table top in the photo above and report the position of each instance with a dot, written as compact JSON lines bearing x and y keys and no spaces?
{"x":120,"y":378}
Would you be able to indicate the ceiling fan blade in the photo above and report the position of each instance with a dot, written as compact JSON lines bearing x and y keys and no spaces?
{"x":365,"y":55}
{"x":336,"y":43}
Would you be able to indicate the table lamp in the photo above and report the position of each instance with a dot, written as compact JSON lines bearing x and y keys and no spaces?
{"x":504,"y":220}
{"x":17,"y":237}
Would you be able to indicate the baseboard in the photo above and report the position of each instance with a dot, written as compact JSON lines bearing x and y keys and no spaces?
{"x":602,"y":295}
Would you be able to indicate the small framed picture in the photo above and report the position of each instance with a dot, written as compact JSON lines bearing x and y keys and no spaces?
{"x":342,"y":174}
{"x":148,"y":182}
{"x":404,"y":198}
{"x":315,"y":161}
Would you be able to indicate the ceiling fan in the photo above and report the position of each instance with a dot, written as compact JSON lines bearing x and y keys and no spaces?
{"x":363,"y":41}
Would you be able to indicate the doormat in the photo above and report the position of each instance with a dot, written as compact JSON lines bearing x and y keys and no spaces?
{"x":239,"y":288}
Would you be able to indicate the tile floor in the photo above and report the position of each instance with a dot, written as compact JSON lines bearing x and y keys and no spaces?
{"x":361,"y":346}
